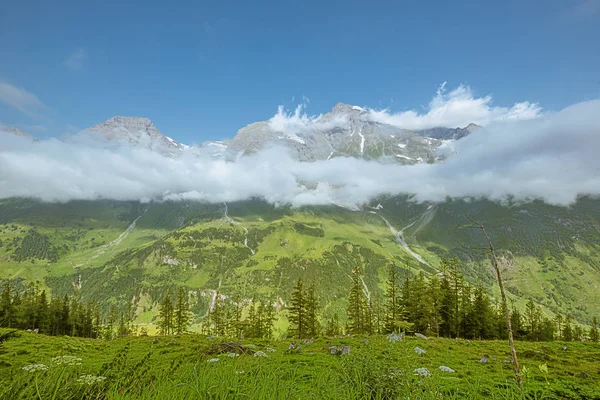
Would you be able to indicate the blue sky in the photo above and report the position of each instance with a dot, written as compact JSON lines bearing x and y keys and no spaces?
{"x":202,"y":70}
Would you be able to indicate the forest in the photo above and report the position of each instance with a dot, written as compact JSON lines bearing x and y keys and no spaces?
{"x":439,"y":305}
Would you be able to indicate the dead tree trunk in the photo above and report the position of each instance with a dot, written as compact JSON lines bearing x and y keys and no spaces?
{"x":511,"y":341}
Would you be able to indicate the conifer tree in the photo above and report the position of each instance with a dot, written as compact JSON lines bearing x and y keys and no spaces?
{"x":182,"y":312}
{"x":7,"y":310}
{"x":482,"y":316}
{"x":165,"y":315}
{"x":312,"y":307}
{"x":333,"y":327}
{"x":434,"y":295}
{"x":356,"y":305}
{"x":594,"y":336}
{"x":567,"y":332}
{"x":392,"y":302}
{"x":297,"y":312}
{"x":558,"y":320}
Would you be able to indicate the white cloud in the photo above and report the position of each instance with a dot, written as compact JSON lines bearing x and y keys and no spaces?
{"x":553,"y":157}
{"x":76,"y":60}
{"x":457,"y":108}
{"x":299,"y":122}
{"x":22,"y":100}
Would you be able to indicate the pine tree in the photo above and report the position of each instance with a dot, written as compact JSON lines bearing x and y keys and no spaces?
{"x":109,"y":324}
{"x":356,"y":305}
{"x":467,"y":322}
{"x":313,"y":327}
{"x":392,"y":302}
{"x":165,"y":315}
{"x":7,"y":309}
{"x":559,"y":325}
{"x":533,"y":316}
{"x":297,"y":312}
{"x":333,"y":327}
{"x":447,"y":308}
{"x":594,"y":336}
{"x":516,"y":322}
{"x":482,"y":316}
{"x":268,"y":313}
{"x":577,"y":332}
{"x":182,"y":312}
{"x":43,"y":313}
{"x":414,"y":301}
{"x":435,"y":296}
{"x":567,"y":332}
{"x":217,"y":317}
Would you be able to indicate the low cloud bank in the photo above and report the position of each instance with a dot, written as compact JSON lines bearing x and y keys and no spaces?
{"x":553,"y":157}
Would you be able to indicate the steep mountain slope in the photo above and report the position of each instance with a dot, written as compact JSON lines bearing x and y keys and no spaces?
{"x":347,"y":131}
{"x":11,"y":130}
{"x":129,"y":253}
{"x":138,"y":132}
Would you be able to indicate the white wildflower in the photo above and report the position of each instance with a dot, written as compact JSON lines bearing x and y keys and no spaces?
{"x":394,"y":337}
{"x":422,"y":372}
{"x":233,"y":355}
{"x":270,"y":350}
{"x":260,"y":354}
{"x":91,"y":379}
{"x":35,"y":368}
{"x":212,"y":360}
{"x":443,"y":368}
{"x":66,"y":360}
{"x":419,"y":350}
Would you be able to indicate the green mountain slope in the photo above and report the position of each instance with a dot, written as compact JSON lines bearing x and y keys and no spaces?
{"x":130,"y":254}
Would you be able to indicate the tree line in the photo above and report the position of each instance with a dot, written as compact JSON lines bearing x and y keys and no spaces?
{"x":441,"y":305}
{"x":33,"y":309}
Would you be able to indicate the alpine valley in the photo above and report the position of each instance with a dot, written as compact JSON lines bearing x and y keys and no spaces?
{"x":130,"y":253}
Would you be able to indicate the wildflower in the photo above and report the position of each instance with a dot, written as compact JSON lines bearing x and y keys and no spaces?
{"x":212,"y":360}
{"x":422,"y":372}
{"x":443,"y":368}
{"x":66,"y":360}
{"x":240,"y":372}
{"x":394,"y":337}
{"x":484,"y":359}
{"x":419,"y":350}
{"x":270,"y":350}
{"x":35,"y":368}
{"x":260,"y":354}
{"x":91,"y":379}
{"x":232,"y":355}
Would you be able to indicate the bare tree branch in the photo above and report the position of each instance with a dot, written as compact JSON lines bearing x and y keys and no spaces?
{"x":494,"y":261}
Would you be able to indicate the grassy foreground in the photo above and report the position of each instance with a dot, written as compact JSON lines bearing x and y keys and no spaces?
{"x":185,"y":368}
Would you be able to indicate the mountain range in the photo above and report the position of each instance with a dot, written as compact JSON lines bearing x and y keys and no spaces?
{"x":129,"y":253}
{"x":345,"y":131}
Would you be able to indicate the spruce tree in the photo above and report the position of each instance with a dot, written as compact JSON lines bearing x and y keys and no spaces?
{"x":593,"y":334}
{"x":297,"y":312}
{"x":392,"y":302}
{"x":182,"y":312}
{"x":357,"y":306}
{"x":312,"y":307}
{"x":567,"y":332}
{"x":435,"y":296}
{"x":165,"y":315}
{"x":333,"y":328}
{"x":7,"y":309}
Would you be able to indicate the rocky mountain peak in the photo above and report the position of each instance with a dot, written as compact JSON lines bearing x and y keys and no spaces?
{"x":16,"y":131}
{"x":136,"y":131}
